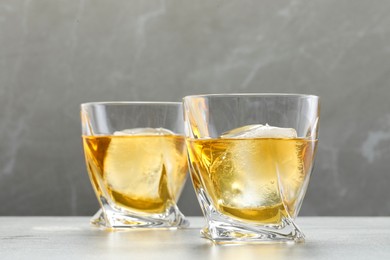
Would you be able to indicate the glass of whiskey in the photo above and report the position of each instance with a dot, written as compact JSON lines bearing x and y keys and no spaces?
{"x":250,"y":159}
{"x":136,"y":158}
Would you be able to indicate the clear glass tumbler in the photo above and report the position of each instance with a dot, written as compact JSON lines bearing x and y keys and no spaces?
{"x":250,"y":158}
{"x":136,"y":158}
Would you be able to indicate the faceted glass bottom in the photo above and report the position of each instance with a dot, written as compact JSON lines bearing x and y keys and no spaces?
{"x":234,"y":232}
{"x":224,"y":229}
{"x":108,"y":217}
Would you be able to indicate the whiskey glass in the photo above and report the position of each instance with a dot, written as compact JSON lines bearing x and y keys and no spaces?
{"x":250,"y":160}
{"x":136,"y":159}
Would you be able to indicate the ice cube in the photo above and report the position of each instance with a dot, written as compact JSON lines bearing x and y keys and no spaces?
{"x":248,"y":160}
{"x":145,"y":131}
{"x":260,"y":131}
{"x":133,"y":166}
{"x":242,"y":179}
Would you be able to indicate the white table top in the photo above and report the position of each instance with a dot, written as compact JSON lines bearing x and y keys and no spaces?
{"x":73,"y":238}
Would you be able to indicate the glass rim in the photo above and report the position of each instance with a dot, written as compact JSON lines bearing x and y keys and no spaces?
{"x":252,"y":95}
{"x":130,"y":103}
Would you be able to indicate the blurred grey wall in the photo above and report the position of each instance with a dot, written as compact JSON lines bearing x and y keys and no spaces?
{"x":56,"y":54}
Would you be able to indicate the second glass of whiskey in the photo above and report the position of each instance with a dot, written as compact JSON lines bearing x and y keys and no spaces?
{"x":250,"y":158}
{"x":136,"y":158}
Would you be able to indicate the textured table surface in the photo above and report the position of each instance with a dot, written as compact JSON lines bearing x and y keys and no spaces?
{"x":74,"y":238}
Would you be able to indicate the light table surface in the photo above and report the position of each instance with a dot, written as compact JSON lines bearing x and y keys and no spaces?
{"x":74,"y":238}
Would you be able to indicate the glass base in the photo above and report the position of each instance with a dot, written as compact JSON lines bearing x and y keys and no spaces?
{"x":224,"y":229}
{"x":230,"y":231}
{"x":107,"y":217}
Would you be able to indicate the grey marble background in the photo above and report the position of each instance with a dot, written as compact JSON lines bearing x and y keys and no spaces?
{"x":56,"y":54}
